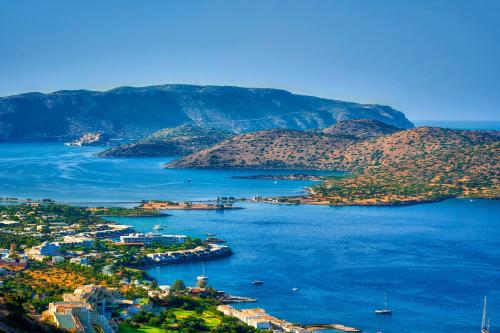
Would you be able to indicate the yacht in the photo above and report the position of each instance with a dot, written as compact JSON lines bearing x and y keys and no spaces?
{"x":257,"y":282}
{"x":385,"y":310}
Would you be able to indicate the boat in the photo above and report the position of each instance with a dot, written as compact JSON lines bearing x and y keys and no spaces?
{"x":385,"y":310}
{"x":485,"y":326}
{"x":157,"y":227}
{"x":257,"y":282}
{"x":295,"y":289}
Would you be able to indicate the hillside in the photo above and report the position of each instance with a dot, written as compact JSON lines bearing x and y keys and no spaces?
{"x":414,"y":165}
{"x":133,"y":113}
{"x":361,"y":128}
{"x":286,"y":149}
{"x":268,"y":149}
{"x":177,"y":141}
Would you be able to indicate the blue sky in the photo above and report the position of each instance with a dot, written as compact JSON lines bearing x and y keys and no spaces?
{"x":430,"y":59}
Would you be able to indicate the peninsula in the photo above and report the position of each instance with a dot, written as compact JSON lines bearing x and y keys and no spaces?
{"x":156,"y":205}
{"x":387,"y":167}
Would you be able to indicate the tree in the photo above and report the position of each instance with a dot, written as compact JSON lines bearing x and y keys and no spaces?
{"x":178,"y":286}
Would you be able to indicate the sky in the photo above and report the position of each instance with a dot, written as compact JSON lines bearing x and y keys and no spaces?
{"x":433,"y":60}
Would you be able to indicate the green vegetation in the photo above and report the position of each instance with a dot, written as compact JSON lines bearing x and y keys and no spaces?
{"x":126,"y":212}
{"x":185,"y":314}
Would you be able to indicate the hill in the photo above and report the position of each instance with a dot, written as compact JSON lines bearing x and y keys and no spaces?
{"x":177,"y":141}
{"x":361,"y":128}
{"x":128,"y":112}
{"x":268,"y":149}
{"x":414,"y":165}
{"x":286,"y":149}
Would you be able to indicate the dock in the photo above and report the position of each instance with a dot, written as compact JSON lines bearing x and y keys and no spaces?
{"x":339,"y":327}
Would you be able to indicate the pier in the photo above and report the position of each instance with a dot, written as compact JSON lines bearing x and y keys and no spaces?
{"x":339,"y":327}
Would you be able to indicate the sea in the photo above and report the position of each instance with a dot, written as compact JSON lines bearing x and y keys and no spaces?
{"x":319,"y":264}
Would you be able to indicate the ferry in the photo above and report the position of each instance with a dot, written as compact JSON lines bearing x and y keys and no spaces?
{"x":385,"y":310}
{"x":257,"y":282}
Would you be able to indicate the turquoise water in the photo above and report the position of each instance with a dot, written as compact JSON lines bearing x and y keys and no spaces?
{"x":436,"y":261}
{"x":71,"y":174}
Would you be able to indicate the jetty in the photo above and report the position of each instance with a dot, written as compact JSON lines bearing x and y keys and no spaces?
{"x":338,"y":327}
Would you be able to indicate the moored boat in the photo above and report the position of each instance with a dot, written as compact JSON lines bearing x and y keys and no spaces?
{"x":385,"y":310}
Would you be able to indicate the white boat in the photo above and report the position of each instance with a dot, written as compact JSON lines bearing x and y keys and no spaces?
{"x":295,"y":289}
{"x":157,"y":227}
{"x":485,"y":326}
{"x":385,"y":310}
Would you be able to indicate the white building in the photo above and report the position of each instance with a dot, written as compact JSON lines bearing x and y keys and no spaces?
{"x":151,"y":238}
{"x":77,"y":240}
{"x":44,"y":249}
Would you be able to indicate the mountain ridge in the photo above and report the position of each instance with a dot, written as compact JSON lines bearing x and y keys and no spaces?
{"x":134,"y":112}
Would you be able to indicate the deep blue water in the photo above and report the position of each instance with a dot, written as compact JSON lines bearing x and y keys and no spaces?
{"x":464,"y":124}
{"x":436,"y":261}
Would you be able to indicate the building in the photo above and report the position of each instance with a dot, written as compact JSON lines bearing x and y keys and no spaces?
{"x":77,"y":317}
{"x":98,"y":296}
{"x":151,"y":238}
{"x":57,"y":259}
{"x":77,"y":241}
{"x":79,"y":261}
{"x":43,"y":250}
{"x":258,"y":318}
{"x":8,"y":223}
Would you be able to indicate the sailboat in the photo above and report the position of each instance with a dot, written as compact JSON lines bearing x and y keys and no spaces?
{"x":485,"y":326}
{"x":385,"y":310}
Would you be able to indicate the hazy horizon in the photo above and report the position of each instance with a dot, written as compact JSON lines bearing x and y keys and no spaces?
{"x":430,"y":60}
